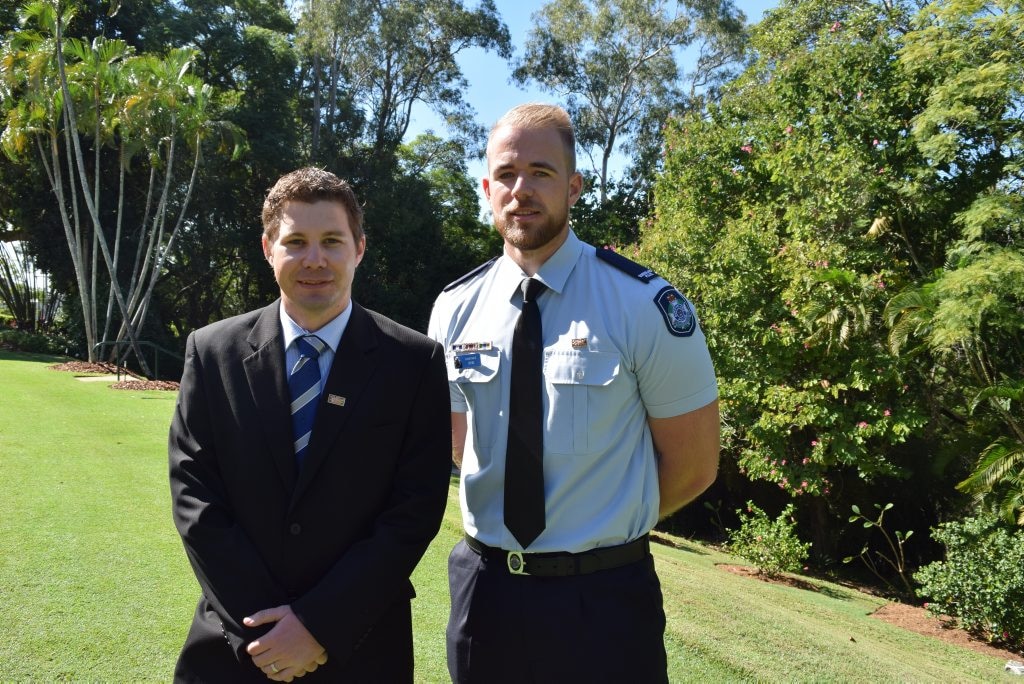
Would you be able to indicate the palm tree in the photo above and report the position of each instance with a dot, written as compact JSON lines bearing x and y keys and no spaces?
{"x":140,"y":105}
{"x":968,"y":317}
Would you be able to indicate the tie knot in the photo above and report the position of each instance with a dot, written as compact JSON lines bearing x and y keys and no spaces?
{"x":310,"y":345}
{"x":531,"y":289}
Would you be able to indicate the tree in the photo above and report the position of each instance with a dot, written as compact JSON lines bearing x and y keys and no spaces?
{"x":382,"y":57}
{"x":217,"y":268}
{"x":769,"y":216}
{"x":616,"y":64}
{"x":105,"y":97}
{"x":848,"y":220}
{"x":966,"y":318}
{"x":422,"y":230}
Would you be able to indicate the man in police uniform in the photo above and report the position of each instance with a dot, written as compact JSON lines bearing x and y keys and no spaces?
{"x":629,"y":421}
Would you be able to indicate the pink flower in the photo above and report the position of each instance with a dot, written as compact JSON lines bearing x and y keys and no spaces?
{"x":880,"y":284}
{"x":835,"y":27}
{"x":783,"y":461}
{"x":886,"y":413}
{"x":860,"y":94}
{"x":747,"y":148}
{"x":806,"y":461}
{"x":804,"y":484}
{"x":789,"y":129}
{"x":875,"y":142}
{"x":862,"y":425}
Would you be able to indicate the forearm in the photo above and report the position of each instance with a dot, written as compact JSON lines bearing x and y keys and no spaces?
{"x":460,"y":426}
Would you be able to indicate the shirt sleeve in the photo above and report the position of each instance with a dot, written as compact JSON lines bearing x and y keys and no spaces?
{"x":672,"y":363}
{"x":437,"y":330}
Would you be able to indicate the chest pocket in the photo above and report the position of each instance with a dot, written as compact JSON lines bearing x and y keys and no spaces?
{"x":478,"y":382}
{"x":582,"y":398}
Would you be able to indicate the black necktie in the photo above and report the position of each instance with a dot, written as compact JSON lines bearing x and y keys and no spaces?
{"x":524,"y":457}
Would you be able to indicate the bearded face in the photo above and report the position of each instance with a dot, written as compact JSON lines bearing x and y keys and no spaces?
{"x":530,"y":188}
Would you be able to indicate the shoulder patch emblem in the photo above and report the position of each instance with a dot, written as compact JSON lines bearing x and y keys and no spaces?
{"x":677,"y":312}
{"x":476,"y":271}
{"x":625,"y":265}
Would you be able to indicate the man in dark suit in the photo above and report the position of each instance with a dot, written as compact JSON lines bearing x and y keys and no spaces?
{"x":303,"y":542}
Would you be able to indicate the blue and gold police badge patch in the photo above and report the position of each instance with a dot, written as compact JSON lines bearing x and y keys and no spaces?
{"x":677,"y":312}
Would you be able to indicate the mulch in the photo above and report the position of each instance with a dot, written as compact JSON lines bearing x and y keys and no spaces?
{"x":131,"y":381}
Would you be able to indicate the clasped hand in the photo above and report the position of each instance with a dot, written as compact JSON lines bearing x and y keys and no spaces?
{"x":288,"y":650}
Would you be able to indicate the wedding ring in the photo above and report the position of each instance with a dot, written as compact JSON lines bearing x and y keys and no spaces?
{"x":273,"y":668}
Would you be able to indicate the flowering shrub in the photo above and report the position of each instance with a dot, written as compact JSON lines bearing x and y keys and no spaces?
{"x":770,"y":545}
{"x":981,"y":581}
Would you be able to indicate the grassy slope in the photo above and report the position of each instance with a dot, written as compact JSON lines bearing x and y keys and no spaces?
{"x":95,"y":585}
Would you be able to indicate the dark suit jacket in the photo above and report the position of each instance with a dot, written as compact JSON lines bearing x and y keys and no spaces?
{"x":338,"y":540}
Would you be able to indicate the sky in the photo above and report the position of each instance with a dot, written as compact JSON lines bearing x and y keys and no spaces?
{"x":491,"y":92}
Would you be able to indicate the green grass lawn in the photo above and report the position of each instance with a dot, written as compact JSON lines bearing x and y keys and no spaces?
{"x":94,"y":584}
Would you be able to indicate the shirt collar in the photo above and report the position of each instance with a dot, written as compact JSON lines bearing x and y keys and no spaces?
{"x":554,"y":272}
{"x":330,"y":333}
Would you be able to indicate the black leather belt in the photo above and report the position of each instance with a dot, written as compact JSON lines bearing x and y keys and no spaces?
{"x":561,"y":564}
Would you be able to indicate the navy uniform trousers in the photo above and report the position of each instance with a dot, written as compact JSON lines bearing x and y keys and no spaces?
{"x":607,"y":626}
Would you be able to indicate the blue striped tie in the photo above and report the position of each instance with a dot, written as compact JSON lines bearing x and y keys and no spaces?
{"x":304,"y":383}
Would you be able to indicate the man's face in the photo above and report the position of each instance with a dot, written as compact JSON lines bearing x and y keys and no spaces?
{"x":530,"y":188}
{"x":314,"y":259}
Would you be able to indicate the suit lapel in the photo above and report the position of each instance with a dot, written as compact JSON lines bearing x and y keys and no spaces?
{"x":267,"y":380}
{"x":353,"y":365}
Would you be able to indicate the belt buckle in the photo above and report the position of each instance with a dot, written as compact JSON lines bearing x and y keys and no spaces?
{"x":515,"y":562}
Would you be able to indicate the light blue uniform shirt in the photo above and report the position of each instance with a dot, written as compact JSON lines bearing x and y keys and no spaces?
{"x":611,"y":359}
{"x":330,"y":334}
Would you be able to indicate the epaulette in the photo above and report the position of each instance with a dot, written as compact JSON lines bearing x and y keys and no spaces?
{"x":476,"y":271}
{"x":625,"y":265}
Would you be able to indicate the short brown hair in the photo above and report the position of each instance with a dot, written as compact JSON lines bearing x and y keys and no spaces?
{"x":310,"y":185}
{"x":534,"y":115}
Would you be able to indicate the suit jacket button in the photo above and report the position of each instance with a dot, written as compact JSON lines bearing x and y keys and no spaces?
{"x":295,"y":529}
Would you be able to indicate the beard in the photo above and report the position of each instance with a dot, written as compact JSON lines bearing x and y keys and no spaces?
{"x":529,"y":238}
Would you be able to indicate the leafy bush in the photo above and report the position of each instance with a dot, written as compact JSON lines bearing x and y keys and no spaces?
{"x":770,"y":545}
{"x":35,"y":343}
{"x":981,"y":581}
